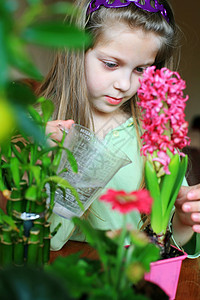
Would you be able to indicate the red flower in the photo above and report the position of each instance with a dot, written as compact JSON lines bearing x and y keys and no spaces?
{"x":126,"y":202}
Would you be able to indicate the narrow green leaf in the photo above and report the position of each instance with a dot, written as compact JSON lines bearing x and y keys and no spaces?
{"x":14,"y":166}
{"x":55,"y":34}
{"x":153,"y":186}
{"x":18,"y":155}
{"x":7,"y":219}
{"x":34,"y":114}
{"x":20,"y":93}
{"x":47,"y":110}
{"x":65,"y":185}
{"x":2,"y":182}
{"x":72,"y":160}
{"x":179,"y":179}
{"x":19,"y":59}
{"x":96,"y":238}
{"x":36,"y":170}
{"x":28,"y":127}
{"x":31,"y":193}
{"x":168,"y":182}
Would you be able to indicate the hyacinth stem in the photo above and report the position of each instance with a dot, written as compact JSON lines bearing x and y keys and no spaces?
{"x":120,"y":254}
{"x":33,"y":246}
{"x":6,"y":246}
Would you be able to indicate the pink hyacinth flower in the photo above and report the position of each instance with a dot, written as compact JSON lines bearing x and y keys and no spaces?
{"x":162,"y":105}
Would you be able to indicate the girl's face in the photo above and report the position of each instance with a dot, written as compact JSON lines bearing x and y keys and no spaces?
{"x":116,"y":63}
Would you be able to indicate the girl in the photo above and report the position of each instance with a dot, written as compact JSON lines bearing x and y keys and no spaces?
{"x":97,"y":88}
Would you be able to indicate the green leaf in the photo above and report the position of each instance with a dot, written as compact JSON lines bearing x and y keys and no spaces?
{"x":179,"y":179}
{"x":3,"y":56}
{"x":153,"y":186}
{"x":65,"y":185}
{"x":14,"y":166}
{"x":7,"y":219}
{"x":72,"y":160}
{"x":63,"y":8}
{"x":97,"y":239}
{"x":47,"y":110}
{"x":149,"y":254}
{"x":2,"y":182}
{"x":28,"y":127}
{"x":34,"y":114}
{"x":20,"y":93}
{"x":36,"y":173}
{"x":31,"y":193}
{"x":21,"y":282}
{"x":34,"y":2}
{"x":19,"y":59}
{"x":75,"y":276}
{"x":55,"y":34}
{"x":168,"y":182}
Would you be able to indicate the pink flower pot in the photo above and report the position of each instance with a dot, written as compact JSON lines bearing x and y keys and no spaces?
{"x":165,"y":273}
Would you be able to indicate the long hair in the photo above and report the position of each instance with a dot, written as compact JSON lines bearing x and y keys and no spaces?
{"x":65,"y":84}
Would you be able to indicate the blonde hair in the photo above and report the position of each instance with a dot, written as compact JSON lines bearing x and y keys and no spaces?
{"x":65,"y":84}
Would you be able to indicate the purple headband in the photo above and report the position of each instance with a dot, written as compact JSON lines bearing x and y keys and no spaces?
{"x":95,"y":4}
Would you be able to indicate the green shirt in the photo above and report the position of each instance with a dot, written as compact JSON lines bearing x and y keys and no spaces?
{"x":128,"y":178}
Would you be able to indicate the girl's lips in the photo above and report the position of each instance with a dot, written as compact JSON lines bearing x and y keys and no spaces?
{"x":113,"y":101}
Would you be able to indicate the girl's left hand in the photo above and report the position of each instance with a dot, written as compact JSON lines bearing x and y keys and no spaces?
{"x":188,"y":206}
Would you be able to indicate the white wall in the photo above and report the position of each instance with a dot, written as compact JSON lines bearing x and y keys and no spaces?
{"x":187,"y":14}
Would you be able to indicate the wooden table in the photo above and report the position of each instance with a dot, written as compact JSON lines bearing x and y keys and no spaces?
{"x":189,"y":281}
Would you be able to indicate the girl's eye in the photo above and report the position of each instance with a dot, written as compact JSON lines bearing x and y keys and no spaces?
{"x":110,"y":65}
{"x":140,"y":70}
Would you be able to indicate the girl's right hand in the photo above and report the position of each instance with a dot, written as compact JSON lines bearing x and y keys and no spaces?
{"x":55,"y":128}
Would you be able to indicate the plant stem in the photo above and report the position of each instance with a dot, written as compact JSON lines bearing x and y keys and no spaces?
{"x":120,"y":254}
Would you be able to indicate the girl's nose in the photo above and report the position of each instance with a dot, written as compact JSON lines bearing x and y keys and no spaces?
{"x":123,"y":82}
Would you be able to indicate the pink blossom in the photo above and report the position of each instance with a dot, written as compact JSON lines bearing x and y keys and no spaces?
{"x":162,"y":105}
{"x":126,"y":202}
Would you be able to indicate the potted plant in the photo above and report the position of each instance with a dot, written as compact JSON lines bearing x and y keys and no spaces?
{"x":118,"y":269}
{"x":27,"y":162}
{"x":26,"y":167}
{"x":165,"y":134}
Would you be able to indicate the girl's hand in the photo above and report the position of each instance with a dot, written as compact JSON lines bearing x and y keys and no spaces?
{"x":55,"y":128}
{"x":188,"y":206}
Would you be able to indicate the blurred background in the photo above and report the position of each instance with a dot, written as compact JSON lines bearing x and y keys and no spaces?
{"x":187,"y":16}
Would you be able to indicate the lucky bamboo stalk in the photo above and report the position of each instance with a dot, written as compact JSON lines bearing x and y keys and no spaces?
{"x":47,"y":237}
{"x":18,"y":252}
{"x":40,"y":260}
{"x":33,"y":246}
{"x":6,"y":246}
{"x":39,"y":223}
